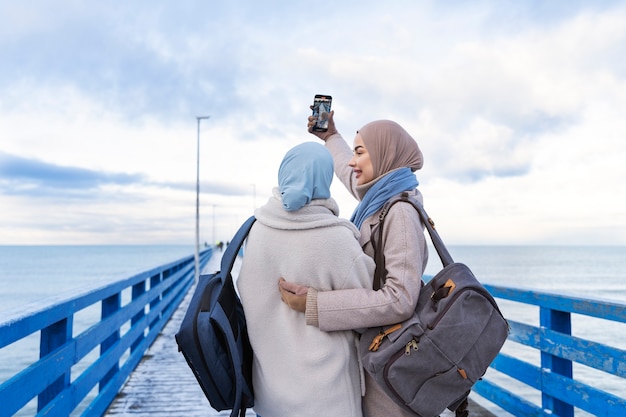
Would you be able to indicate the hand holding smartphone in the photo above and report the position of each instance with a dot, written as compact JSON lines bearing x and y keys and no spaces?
{"x":321,"y":110}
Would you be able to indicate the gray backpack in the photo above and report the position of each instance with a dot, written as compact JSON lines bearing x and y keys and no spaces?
{"x":431,"y":361}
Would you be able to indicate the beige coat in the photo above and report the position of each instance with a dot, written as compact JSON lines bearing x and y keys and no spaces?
{"x":406,"y":255}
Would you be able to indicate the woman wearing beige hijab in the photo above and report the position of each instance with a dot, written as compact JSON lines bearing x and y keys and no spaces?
{"x":380,"y":165}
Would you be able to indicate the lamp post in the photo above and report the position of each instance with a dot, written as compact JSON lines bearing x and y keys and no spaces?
{"x":197,"y":256}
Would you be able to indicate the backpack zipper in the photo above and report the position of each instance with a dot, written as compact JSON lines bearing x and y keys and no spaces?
{"x":378,"y":339}
{"x":413,"y":344}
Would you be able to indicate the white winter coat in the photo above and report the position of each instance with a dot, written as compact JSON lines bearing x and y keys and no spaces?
{"x":300,"y":370}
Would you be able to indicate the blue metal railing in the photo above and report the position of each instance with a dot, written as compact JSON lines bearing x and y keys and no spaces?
{"x":123,"y":331}
{"x":560,"y":392}
{"x":120,"y":336}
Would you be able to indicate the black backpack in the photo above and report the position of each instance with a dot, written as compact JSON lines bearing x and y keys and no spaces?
{"x":214,"y":339}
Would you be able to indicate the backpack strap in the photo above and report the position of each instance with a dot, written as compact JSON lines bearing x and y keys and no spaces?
{"x":228,"y":259}
{"x":380,"y":274}
{"x":379,"y":256}
{"x":227,"y":262}
{"x":462,"y":409}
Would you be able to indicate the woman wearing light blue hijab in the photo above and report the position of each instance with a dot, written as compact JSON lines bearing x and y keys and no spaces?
{"x":298,"y":370}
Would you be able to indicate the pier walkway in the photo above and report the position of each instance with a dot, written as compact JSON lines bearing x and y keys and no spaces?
{"x":163,"y":385}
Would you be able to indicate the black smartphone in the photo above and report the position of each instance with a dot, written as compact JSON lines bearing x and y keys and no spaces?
{"x":321,"y":110}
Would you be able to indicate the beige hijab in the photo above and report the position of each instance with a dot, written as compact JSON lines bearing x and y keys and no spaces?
{"x":390,"y":147}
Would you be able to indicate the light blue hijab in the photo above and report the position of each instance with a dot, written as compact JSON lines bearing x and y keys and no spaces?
{"x":305,"y":174}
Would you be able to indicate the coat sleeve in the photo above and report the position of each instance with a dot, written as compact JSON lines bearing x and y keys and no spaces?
{"x":405,"y":258}
{"x":342,"y":153}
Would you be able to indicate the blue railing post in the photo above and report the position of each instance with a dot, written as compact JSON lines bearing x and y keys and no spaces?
{"x":165,"y":275}
{"x":154,"y":281}
{"x":109,"y":306}
{"x":137,"y":290}
{"x":559,"y":321}
{"x":51,"y":338}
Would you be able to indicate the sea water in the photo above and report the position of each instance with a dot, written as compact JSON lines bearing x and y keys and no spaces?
{"x":34,"y":274}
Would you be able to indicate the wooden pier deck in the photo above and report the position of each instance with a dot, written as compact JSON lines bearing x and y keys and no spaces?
{"x":163,"y":385}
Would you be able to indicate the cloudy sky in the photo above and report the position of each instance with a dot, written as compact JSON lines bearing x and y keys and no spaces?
{"x":519,"y":108}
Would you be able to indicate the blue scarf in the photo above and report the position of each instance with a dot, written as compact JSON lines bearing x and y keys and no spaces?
{"x":388,"y":186}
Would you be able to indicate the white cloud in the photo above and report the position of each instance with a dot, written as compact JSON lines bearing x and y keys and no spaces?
{"x":518,"y":109}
